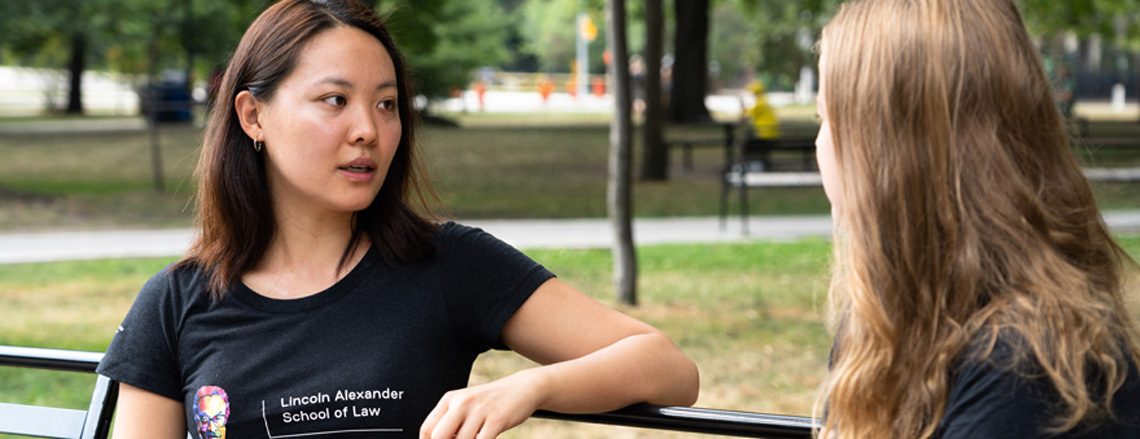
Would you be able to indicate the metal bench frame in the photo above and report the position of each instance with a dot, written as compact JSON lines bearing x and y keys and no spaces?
{"x":749,"y":164}
{"x":55,"y":422}
{"x":95,"y":422}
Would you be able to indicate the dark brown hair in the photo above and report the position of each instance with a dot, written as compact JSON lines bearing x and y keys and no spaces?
{"x":235,"y":214}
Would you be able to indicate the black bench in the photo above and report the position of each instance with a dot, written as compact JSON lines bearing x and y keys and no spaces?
{"x":95,"y":423}
{"x":55,"y":422}
{"x":752,"y":164}
{"x":725,"y":140}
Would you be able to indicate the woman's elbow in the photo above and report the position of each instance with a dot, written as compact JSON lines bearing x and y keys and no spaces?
{"x":683,"y":382}
{"x":689,"y":384}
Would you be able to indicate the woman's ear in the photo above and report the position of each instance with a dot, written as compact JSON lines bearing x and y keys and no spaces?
{"x":247,"y":109}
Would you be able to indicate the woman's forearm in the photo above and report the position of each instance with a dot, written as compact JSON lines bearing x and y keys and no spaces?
{"x":639,"y":368}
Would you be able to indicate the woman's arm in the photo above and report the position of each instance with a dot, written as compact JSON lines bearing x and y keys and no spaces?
{"x":144,"y":415}
{"x":594,"y":359}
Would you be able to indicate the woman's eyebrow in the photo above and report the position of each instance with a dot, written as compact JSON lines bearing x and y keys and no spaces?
{"x":336,"y":80}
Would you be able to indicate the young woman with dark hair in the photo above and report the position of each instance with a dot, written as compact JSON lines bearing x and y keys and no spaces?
{"x":317,"y":302}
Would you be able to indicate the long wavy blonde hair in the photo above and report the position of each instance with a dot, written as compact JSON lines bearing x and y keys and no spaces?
{"x":964,"y":214}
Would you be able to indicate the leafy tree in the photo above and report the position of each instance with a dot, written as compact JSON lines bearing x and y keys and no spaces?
{"x":54,"y":33}
{"x":549,"y":29}
{"x":1116,"y":21}
{"x":128,"y":36}
{"x":770,"y":40}
{"x":445,"y":40}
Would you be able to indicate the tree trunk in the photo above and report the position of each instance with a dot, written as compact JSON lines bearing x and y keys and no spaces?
{"x":655,"y":154}
{"x":153,"y":104}
{"x":618,"y":193}
{"x":690,"y":68}
{"x":75,"y":67}
{"x":190,"y":45}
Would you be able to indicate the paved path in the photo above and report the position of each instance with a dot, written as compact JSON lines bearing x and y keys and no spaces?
{"x":77,"y":125}
{"x":584,"y":233}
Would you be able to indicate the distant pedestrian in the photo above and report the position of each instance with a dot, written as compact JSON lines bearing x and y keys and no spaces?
{"x":480,"y":91}
{"x":765,"y":124}
{"x":545,"y":88}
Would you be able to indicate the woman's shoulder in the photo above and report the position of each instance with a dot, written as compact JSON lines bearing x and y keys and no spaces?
{"x":452,"y":229}
{"x":179,"y":282}
{"x":998,"y":389}
{"x":452,"y":236}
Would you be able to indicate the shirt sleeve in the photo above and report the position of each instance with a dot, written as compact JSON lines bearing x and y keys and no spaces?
{"x":142,"y":353}
{"x":485,"y":281}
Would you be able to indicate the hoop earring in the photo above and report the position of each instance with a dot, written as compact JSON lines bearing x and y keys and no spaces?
{"x":258,"y":145}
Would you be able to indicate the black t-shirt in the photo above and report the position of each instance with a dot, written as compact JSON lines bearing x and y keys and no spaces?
{"x":989,"y":398}
{"x":367,"y":358}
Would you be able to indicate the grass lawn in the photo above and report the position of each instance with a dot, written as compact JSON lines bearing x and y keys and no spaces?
{"x":494,"y":166}
{"x":751,"y":315}
{"x":104,"y":180}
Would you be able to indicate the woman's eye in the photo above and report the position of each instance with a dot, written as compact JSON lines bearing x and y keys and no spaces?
{"x":387,"y":104}
{"x":335,"y":100}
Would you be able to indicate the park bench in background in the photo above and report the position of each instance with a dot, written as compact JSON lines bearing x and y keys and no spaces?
{"x":754,"y":162}
{"x":790,"y":160}
{"x":1111,"y":149}
{"x":724,"y":138}
{"x":53,"y":422}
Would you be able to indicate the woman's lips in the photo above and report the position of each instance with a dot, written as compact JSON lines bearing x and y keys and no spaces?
{"x":361,"y":169}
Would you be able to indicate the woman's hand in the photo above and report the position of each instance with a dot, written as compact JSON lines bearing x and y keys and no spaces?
{"x":594,"y":359}
{"x":484,"y":411}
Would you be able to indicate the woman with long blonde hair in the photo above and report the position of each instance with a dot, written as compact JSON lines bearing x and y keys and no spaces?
{"x":976,"y":292}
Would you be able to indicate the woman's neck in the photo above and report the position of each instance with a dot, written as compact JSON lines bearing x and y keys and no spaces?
{"x":304,"y":257}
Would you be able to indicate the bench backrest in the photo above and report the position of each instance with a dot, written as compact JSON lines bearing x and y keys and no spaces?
{"x":95,"y":422}
{"x":56,"y":422}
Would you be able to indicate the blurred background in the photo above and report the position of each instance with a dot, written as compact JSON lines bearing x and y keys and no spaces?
{"x":102,"y":105}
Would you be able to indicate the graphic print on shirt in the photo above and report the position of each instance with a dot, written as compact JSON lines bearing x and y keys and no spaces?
{"x":295,"y":415}
{"x":211,"y":410}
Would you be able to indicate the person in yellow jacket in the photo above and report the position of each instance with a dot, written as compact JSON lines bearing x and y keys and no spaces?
{"x":765,"y":124}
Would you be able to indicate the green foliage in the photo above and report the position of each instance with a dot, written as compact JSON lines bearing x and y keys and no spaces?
{"x":444,"y":41}
{"x":127,"y":36}
{"x":1084,"y":17}
{"x":549,"y":28}
{"x":771,"y":39}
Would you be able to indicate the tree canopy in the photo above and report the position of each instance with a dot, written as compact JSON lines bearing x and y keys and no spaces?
{"x":446,"y":40}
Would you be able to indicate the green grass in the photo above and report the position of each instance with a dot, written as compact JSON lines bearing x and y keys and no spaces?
{"x":486,"y":170}
{"x":750,"y":314}
{"x":494,"y":166}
